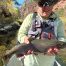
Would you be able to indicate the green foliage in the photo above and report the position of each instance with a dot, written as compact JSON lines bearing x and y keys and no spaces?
{"x":31,"y":1}
{"x":2,"y":50}
{"x":1,"y":62}
{"x":62,"y":55}
{"x":60,"y":12}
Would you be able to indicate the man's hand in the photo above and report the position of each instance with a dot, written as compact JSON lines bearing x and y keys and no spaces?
{"x":52,"y":51}
{"x":26,"y":40}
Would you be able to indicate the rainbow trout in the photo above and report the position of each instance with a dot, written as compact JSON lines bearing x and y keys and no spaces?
{"x":36,"y":45}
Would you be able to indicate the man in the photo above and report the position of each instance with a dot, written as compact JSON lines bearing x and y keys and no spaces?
{"x":44,"y":24}
{"x":44,"y":18}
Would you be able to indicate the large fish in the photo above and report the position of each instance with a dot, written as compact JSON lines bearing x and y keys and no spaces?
{"x":36,"y":45}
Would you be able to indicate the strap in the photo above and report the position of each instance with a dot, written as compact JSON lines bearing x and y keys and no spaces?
{"x":34,"y":15}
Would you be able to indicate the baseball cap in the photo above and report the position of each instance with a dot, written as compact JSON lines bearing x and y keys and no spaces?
{"x":42,"y":3}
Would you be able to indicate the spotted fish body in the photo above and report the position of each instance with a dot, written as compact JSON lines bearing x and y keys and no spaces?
{"x":36,"y":45}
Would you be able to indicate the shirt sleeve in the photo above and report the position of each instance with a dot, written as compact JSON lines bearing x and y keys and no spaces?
{"x":23,"y":31}
{"x":60,"y":31}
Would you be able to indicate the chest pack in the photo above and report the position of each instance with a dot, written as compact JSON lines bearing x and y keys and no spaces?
{"x":42,"y":29}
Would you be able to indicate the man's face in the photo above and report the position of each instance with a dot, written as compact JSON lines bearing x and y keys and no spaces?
{"x":44,"y":11}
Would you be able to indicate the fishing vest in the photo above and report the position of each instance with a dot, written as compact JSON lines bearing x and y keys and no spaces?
{"x":42,"y":29}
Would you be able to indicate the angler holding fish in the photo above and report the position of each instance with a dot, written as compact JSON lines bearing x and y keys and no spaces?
{"x":44,"y":26}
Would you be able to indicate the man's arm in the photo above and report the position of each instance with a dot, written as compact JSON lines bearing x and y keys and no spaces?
{"x":23,"y":31}
{"x":60,"y":31}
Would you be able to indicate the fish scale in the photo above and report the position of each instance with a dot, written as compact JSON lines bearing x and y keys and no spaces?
{"x":37,"y":45}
